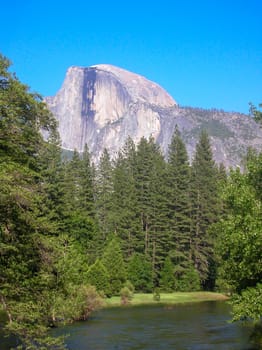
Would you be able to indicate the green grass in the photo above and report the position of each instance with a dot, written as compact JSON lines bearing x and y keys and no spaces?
{"x":168,"y":298}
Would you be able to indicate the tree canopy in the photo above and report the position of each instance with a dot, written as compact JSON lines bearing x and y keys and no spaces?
{"x":240,"y":239}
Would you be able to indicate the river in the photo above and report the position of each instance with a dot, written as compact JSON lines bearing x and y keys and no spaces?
{"x":199,"y":326}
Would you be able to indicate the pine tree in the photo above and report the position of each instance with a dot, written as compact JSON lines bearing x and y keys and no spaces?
{"x":103,"y":194}
{"x":72,"y":179}
{"x":167,"y":280}
{"x":78,"y":198}
{"x":98,"y":276}
{"x":159,"y":233}
{"x":22,"y":228}
{"x":205,"y":208}
{"x":125,"y":217}
{"x":41,"y":267}
{"x":189,"y":281}
{"x":113,"y":260}
{"x":87,"y":184}
{"x":144,"y":163}
{"x":52,"y":177}
{"x":151,"y":198}
{"x":139,"y":273}
{"x":178,"y":180}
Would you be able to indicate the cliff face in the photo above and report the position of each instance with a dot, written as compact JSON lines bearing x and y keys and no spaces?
{"x":102,"y":105}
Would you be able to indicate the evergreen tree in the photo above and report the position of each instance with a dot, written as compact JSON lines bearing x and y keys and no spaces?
{"x":52,"y":177}
{"x":159,"y":238}
{"x":103,"y":193}
{"x":113,"y":260}
{"x":124,"y":217}
{"x":126,"y":214}
{"x":98,"y":276}
{"x":87,"y":184}
{"x":151,"y":198}
{"x":79,"y":217}
{"x":22,"y":283}
{"x":41,"y":268}
{"x":72,"y":189}
{"x":87,"y":205}
{"x":167,"y":280}
{"x":144,"y":164}
{"x":189,"y":281}
{"x":178,"y":180}
{"x":204,"y":205}
{"x":139,"y":272}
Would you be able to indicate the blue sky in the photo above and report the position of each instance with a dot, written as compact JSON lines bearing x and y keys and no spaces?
{"x":204,"y":53}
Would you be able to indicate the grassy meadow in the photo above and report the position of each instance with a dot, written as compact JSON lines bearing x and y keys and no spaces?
{"x":167,"y":298}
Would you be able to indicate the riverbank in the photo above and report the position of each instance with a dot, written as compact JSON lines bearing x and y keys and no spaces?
{"x":168,"y":298}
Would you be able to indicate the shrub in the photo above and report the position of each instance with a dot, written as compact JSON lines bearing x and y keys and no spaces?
{"x":156,"y":295}
{"x":126,"y":295}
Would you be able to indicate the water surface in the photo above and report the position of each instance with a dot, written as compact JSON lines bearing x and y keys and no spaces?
{"x":199,"y":326}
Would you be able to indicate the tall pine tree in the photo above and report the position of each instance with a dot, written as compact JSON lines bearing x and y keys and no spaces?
{"x":178,"y":180}
{"x":125,"y":218}
{"x":204,"y":207}
{"x":151,"y":198}
{"x":103,"y":194}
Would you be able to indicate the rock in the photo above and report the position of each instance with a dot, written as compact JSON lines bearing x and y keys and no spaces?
{"x":102,"y":105}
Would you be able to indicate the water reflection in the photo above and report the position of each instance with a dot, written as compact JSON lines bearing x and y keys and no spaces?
{"x":200,"y":326}
{"x":187,"y":327}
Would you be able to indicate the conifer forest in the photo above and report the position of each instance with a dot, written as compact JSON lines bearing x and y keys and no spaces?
{"x":73,"y":233}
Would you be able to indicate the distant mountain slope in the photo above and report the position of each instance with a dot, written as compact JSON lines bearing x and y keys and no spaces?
{"x":102,"y":105}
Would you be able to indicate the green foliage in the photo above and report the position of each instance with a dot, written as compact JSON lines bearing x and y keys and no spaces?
{"x":205,"y":206}
{"x":179,"y":220}
{"x":57,"y":215}
{"x":77,"y":304}
{"x":248,"y":305}
{"x":139,"y":272}
{"x":130,"y":286}
{"x":113,"y":260}
{"x":98,"y":276}
{"x":151,"y":201}
{"x":189,"y":281}
{"x":256,"y":113}
{"x":22,"y":116}
{"x":126,"y":295}
{"x":214,"y":128}
{"x":103,"y":194}
{"x":42,"y":268}
{"x":167,"y":278}
{"x":240,"y":238}
{"x":156,"y":294}
{"x":125,"y":218}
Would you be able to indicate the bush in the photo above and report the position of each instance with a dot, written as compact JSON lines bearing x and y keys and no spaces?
{"x":156,"y":295}
{"x":78,"y":303}
{"x":130,"y":286}
{"x":126,"y":295}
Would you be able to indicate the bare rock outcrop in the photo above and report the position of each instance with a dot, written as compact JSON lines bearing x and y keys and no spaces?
{"x":102,"y":105}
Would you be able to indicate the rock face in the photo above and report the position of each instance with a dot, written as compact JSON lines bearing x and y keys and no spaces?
{"x":102,"y":105}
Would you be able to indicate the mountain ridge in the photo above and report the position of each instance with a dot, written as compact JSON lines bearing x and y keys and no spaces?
{"x":102,"y":105}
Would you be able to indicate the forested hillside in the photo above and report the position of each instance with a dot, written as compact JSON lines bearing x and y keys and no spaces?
{"x":72,"y":233}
